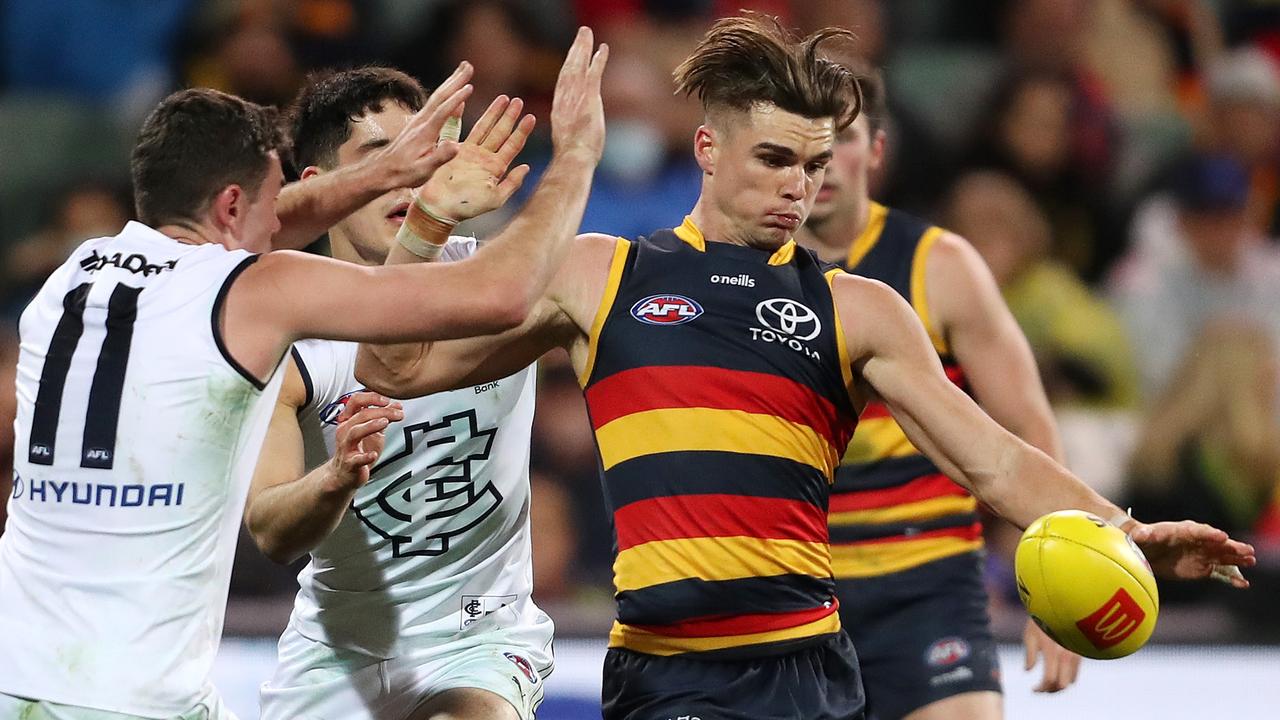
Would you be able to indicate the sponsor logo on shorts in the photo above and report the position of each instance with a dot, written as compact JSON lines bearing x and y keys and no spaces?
{"x":475,"y":607}
{"x":1116,"y":620}
{"x":666,"y":310}
{"x":959,"y":674}
{"x":947,"y":651}
{"x":525,"y":666}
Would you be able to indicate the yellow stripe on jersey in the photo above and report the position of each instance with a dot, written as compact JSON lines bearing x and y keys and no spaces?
{"x":919,"y":294}
{"x":784,"y":254}
{"x":870,"y":235}
{"x":692,"y":234}
{"x":919,"y":510}
{"x":872,"y":559}
{"x":641,"y":641}
{"x":606,"y":304}
{"x":878,"y":439}
{"x":846,"y":365}
{"x":689,"y":429}
{"x":717,"y":558}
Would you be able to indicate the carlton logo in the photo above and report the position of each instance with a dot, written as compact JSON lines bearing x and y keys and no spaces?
{"x":666,"y":310}
{"x":1113,"y":622}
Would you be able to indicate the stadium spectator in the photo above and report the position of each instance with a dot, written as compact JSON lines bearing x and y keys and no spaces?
{"x":1195,"y":259}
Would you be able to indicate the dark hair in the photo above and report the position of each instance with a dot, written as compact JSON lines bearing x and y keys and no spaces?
{"x":195,"y":143}
{"x":753,"y":58}
{"x":320,"y":117}
{"x":874,"y":103}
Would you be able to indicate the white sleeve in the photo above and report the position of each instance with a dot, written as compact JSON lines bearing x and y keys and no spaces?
{"x":459,"y":248}
{"x":328,"y":371}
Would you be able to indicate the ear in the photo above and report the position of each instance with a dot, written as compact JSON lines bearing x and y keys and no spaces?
{"x":877,"y":151}
{"x":310,"y":171}
{"x":228,"y":207}
{"x":704,"y":148}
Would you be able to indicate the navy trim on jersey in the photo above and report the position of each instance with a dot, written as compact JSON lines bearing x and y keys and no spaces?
{"x":217,"y":328}
{"x":881,"y":474}
{"x":306,"y":378}
{"x":692,"y":598}
{"x":702,"y":472}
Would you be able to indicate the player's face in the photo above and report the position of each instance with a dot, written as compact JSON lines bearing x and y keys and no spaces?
{"x":766,"y":168}
{"x":260,"y":220}
{"x":857,"y":152}
{"x":371,"y":230}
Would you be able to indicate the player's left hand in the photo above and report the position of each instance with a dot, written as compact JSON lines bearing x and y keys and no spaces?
{"x":477,"y":179}
{"x":1188,"y":550}
{"x":1061,"y":666}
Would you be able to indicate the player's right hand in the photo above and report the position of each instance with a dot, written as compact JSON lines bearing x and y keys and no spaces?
{"x":360,"y":439}
{"x":577,"y":112}
{"x":415,"y":154}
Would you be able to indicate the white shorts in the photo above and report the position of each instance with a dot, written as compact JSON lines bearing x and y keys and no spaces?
{"x":314,"y":681}
{"x":11,"y":708}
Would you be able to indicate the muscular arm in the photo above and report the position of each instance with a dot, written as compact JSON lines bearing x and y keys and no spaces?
{"x":988,"y":344}
{"x":560,"y":319}
{"x":892,"y":354}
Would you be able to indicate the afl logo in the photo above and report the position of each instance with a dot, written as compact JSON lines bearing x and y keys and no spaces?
{"x":666,"y":310}
{"x":947,"y":651}
{"x":789,"y":318}
{"x":331,"y":412}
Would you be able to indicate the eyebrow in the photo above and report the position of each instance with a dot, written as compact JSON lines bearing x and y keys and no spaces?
{"x":789,"y":153}
{"x":373,"y":144}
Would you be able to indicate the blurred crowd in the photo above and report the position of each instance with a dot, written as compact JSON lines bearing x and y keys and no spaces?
{"x":1117,"y":163}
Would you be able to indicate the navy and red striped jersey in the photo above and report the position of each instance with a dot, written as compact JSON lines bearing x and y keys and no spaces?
{"x":891,"y":508}
{"x":718,"y":388}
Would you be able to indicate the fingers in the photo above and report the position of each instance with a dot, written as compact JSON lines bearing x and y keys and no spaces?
{"x":451,"y":105}
{"x":515,"y":141}
{"x":361,"y":400}
{"x":512,"y":182}
{"x":461,"y":75}
{"x":596,"y":70}
{"x":486,"y":122}
{"x":1030,"y":645}
{"x":504,"y":125}
{"x":576,"y":58}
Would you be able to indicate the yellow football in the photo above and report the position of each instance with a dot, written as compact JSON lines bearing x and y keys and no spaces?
{"x":1087,"y":584}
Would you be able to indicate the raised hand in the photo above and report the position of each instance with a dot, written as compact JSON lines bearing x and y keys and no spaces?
{"x":1061,"y":666}
{"x":476,"y":180}
{"x":411,"y":158}
{"x":1190,"y":550}
{"x":360,"y":439}
{"x":577,"y":112}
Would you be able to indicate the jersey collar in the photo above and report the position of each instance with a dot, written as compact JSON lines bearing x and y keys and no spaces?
{"x":869,"y":236}
{"x":691,"y":235}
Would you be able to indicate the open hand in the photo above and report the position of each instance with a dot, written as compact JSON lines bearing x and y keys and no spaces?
{"x":360,"y":439}
{"x":1061,"y":666}
{"x":1188,"y":550}
{"x":476,"y":180}
{"x":577,"y":112}
{"x":411,"y":158}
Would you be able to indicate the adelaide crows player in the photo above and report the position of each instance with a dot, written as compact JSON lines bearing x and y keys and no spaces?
{"x":905,"y":540}
{"x":724,"y":369}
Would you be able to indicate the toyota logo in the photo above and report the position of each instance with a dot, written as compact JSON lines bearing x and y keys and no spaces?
{"x":789,"y":317}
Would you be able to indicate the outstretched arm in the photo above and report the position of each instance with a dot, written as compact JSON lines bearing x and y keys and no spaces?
{"x":891,"y":353}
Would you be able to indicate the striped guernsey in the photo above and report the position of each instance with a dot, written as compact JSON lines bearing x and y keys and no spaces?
{"x":891,"y":508}
{"x":717,"y":383}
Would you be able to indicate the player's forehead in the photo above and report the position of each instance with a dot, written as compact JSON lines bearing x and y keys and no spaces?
{"x":373,"y":129}
{"x":769,"y":124}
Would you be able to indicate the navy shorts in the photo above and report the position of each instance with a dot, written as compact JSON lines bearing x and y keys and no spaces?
{"x":922,"y":634}
{"x":819,"y":682}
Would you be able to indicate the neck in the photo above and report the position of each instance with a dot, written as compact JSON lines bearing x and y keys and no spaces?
{"x":831,"y":237}
{"x":717,"y":227}
{"x":190,"y":233}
